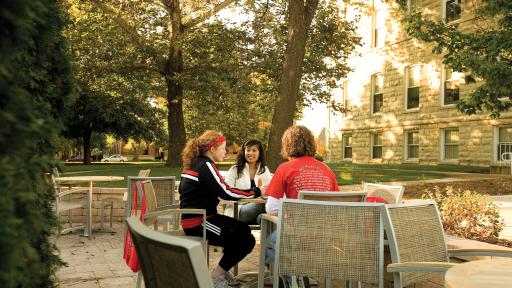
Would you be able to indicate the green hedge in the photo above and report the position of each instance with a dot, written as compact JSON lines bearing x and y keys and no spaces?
{"x":34,"y":87}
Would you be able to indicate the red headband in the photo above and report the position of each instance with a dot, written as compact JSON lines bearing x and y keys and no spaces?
{"x":215,"y":142}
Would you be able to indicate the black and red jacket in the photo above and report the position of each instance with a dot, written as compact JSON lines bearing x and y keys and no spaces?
{"x":202,"y":186}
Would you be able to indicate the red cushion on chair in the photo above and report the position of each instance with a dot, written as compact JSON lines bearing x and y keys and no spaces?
{"x":376,"y":199}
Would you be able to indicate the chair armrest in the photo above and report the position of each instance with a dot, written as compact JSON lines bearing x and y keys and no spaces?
{"x":420,"y":266}
{"x":480,"y":252}
{"x":174,"y":211}
{"x":270,"y":218}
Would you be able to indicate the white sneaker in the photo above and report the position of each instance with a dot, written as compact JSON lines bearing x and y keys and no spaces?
{"x":232,"y":281}
{"x":220,"y":282}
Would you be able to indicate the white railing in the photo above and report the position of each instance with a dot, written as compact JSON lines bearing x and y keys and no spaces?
{"x":507,"y":156}
{"x":504,"y":147}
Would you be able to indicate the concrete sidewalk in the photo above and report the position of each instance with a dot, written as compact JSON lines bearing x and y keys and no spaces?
{"x":99,"y":262}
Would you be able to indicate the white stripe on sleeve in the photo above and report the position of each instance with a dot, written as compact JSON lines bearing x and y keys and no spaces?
{"x":223,"y":186}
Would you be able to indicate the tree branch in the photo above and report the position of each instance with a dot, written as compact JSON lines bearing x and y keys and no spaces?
{"x":206,"y":15}
{"x":131,"y":31}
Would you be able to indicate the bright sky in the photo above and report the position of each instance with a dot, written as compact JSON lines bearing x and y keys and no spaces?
{"x":315,"y":118}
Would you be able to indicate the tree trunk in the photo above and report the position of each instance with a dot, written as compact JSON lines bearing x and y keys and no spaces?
{"x":173,"y":67}
{"x":301,"y":14}
{"x":87,"y":146}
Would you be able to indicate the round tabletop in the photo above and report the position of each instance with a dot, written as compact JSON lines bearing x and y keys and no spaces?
{"x":483,"y":273}
{"x":89,"y":178}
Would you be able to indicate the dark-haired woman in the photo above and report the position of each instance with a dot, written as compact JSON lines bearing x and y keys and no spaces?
{"x":250,"y":171}
{"x":200,"y":187}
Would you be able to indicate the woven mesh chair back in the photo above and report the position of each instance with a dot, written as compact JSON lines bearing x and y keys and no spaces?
{"x":331,"y":240}
{"x":336,"y":196}
{"x":419,"y":237}
{"x":168,"y":261}
{"x":163,"y":187}
{"x":392,"y":194}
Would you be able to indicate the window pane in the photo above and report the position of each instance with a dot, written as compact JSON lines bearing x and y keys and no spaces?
{"x":377,"y":139}
{"x":451,"y":152}
{"x":378,"y":102}
{"x":451,"y":92}
{"x":378,"y":83}
{"x":451,"y":144}
{"x":413,"y":73}
{"x":347,"y":140}
{"x":505,"y":134}
{"x":413,"y":151}
{"x":413,"y":97}
{"x":347,"y":152}
{"x":377,"y":152}
{"x":413,"y":138}
{"x":378,"y":97}
{"x":451,"y":137}
{"x":453,"y":10}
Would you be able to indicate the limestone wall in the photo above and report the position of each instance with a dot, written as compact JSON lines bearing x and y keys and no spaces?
{"x":477,"y":133}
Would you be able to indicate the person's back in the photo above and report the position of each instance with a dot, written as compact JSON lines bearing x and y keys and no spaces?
{"x":301,"y":172}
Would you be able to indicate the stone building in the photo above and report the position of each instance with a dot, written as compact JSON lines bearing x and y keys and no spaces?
{"x":402,"y":98}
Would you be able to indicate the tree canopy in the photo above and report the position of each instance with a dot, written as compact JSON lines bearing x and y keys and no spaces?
{"x":215,"y":72}
{"x":485,"y":52}
{"x":114,"y":95}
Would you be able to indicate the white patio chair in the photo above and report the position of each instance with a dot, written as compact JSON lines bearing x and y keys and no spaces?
{"x":417,"y":243}
{"x":391,"y":194}
{"x":338,"y":196}
{"x":122,"y":201}
{"x":168,"y":261}
{"x":331,"y":240}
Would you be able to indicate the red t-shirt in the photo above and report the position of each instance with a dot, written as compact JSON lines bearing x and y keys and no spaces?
{"x":302,"y":173}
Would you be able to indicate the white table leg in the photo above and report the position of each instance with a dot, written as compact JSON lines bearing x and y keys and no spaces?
{"x":265,"y":226}
{"x":88,"y":229}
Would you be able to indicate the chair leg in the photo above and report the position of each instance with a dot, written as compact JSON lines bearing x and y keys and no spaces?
{"x":102,"y":211}
{"x":139,"y":280}
{"x":70,"y":220}
{"x":111,"y":214}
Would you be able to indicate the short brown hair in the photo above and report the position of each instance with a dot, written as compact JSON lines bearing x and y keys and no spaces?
{"x":298,"y":141}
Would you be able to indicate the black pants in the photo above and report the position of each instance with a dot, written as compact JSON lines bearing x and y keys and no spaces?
{"x":234,"y":236}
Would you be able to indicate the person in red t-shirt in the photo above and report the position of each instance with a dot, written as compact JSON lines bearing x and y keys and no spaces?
{"x":301,"y":172}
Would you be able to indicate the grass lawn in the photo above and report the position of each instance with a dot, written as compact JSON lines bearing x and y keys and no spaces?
{"x":346,"y":173}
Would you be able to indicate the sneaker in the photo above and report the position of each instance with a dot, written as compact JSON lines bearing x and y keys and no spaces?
{"x":220,"y":282}
{"x":232,"y":281}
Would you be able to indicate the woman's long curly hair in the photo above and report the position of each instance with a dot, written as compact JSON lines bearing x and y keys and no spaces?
{"x":240,"y":159}
{"x":298,"y":141}
{"x":195,"y":147}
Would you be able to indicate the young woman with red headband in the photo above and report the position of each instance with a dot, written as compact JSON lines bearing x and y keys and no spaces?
{"x":201,"y":186}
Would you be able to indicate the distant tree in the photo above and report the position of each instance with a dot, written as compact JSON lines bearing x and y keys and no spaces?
{"x":114,"y":97}
{"x":485,"y":52}
{"x":35,"y":87}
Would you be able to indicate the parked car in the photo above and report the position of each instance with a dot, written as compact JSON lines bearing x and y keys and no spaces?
{"x":115,"y":158}
{"x":79,"y":158}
